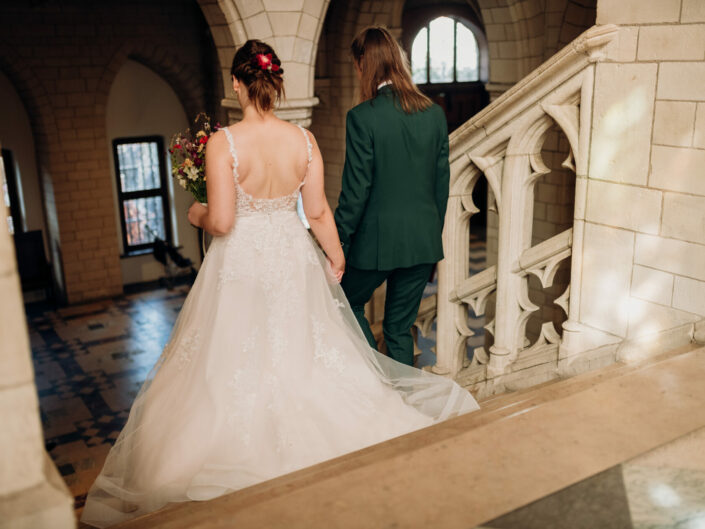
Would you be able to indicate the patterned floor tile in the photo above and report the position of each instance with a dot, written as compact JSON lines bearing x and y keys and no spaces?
{"x":90,"y":361}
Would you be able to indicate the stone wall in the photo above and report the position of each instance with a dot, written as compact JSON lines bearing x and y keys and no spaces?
{"x":644,"y":251}
{"x":61,"y":58}
{"x":32,"y":494}
{"x":336,"y":83}
{"x":524,"y":33}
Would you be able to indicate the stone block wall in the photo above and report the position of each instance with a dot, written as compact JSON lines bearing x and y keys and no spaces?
{"x":524,"y":33}
{"x":31,"y":491}
{"x":62,"y":57}
{"x":644,"y":253}
{"x":335,"y":82}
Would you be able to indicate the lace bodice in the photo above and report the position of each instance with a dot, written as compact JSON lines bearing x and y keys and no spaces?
{"x":249,"y":205}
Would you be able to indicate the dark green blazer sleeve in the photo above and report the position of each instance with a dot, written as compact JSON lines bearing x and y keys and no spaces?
{"x":442,"y":174}
{"x":357,"y":178}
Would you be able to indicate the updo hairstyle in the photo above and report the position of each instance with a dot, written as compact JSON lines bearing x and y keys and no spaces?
{"x":257,"y":66}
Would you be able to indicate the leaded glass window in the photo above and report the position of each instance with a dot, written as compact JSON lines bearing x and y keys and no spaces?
{"x":142,"y":192}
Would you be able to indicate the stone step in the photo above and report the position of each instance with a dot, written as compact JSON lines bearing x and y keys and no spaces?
{"x":465,"y":471}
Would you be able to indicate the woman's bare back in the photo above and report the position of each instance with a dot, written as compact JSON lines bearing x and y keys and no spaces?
{"x":272,"y":157}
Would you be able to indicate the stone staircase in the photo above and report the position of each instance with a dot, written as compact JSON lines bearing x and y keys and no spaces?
{"x":518,"y":448}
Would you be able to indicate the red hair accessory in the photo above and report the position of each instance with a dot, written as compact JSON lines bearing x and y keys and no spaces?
{"x":264,"y":61}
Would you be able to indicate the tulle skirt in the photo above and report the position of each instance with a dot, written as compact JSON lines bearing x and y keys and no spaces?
{"x":266,"y":371}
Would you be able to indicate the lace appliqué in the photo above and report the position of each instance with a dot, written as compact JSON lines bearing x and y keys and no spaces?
{"x":233,"y":153}
{"x":329,"y":356}
{"x":246,"y":203}
{"x":243,"y":388}
{"x":182,"y":350}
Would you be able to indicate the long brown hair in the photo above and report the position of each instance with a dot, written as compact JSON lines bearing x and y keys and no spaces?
{"x":380,"y":59}
{"x":265,"y":86}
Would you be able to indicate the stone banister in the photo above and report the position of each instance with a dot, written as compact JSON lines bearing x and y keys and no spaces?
{"x":503,"y":143}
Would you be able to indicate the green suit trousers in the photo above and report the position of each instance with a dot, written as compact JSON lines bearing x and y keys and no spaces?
{"x":405,"y":288}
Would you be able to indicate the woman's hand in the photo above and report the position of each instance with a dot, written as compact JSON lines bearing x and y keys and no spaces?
{"x":336,"y":270}
{"x":196,"y":213}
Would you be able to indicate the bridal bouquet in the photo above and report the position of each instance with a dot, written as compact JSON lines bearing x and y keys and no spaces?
{"x":188,"y":156}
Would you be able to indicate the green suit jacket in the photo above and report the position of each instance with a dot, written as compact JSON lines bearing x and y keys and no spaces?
{"x":395,"y":185}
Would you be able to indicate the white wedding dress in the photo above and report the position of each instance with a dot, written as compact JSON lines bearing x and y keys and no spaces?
{"x":266,"y":372}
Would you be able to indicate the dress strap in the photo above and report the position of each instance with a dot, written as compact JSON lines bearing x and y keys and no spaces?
{"x":309,"y":147}
{"x":233,"y":152}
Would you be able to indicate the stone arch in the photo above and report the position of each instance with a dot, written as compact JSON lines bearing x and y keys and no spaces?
{"x":42,"y":120}
{"x":227,"y":32}
{"x":293,"y":30}
{"x":183,"y":78}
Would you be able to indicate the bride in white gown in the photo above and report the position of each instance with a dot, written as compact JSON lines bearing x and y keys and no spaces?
{"x":267,"y":370}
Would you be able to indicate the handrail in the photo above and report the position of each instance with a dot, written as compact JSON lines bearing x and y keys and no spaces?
{"x":561,"y":66}
{"x":474,"y":285}
{"x":544,"y":252}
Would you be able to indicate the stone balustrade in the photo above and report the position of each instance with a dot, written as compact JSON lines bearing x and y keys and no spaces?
{"x":503,"y":143}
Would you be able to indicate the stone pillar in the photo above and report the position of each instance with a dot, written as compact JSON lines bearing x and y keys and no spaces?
{"x":32,"y":494}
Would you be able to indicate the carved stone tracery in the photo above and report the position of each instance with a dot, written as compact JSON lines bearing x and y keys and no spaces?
{"x":504,"y":143}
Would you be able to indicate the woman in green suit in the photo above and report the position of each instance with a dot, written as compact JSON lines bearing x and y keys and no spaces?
{"x":394,"y":191}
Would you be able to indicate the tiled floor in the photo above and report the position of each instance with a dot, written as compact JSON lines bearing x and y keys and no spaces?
{"x":90,"y":361}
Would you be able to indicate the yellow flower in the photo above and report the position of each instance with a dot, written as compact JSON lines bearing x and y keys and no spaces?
{"x":200,"y":133}
{"x":188,"y":162}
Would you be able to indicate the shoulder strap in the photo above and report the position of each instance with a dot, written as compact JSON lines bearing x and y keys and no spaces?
{"x":233,"y":152}
{"x":309,"y":148}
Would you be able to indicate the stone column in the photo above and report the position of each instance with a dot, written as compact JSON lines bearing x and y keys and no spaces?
{"x":32,"y":494}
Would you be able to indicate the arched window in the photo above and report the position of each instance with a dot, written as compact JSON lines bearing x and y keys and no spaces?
{"x":445,"y":51}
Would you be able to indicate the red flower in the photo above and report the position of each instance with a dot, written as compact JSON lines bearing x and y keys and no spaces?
{"x":264,"y":61}
{"x":275,"y":67}
{"x":177,"y":146}
{"x":203,"y":139}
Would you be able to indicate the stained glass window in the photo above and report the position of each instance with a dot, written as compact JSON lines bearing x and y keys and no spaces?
{"x":445,"y":51}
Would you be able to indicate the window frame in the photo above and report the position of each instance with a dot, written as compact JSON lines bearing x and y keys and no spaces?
{"x":416,"y":17}
{"x":162,"y":191}
{"x":456,"y":20}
